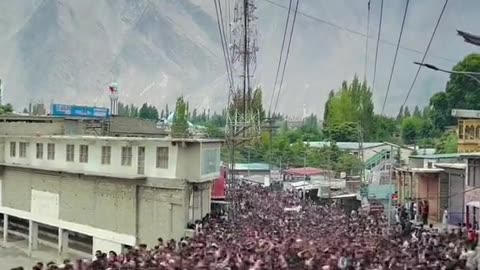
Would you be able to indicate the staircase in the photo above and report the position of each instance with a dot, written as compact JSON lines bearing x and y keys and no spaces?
{"x":377,"y":159}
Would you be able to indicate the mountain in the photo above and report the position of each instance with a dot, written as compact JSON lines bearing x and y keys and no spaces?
{"x":69,"y":51}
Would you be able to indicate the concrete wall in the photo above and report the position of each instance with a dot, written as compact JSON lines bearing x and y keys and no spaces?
{"x":100,"y":203}
{"x":127,"y":125}
{"x":25,"y":128}
{"x":161,"y":214}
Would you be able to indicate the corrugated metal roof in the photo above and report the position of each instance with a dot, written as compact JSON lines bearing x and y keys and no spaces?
{"x":345,"y":145}
{"x":466,"y":113}
{"x":460,"y":166}
{"x":252,"y":167}
{"x":437,"y":156}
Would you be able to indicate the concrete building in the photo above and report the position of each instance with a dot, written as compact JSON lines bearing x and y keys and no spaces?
{"x":67,"y":125}
{"x":468,"y":130}
{"x":114,"y":190}
{"x":472,"y":191}
{"x":436,"y":179}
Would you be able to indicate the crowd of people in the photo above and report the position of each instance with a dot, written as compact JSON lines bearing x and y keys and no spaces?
{"x":267,"y":229}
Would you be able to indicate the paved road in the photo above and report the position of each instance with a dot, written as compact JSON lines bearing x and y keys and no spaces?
{"x":11,"y":257}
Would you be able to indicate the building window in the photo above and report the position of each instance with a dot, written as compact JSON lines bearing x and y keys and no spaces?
{"x":39,"y":150}
{"x":13,"y":149}
{"x":106,"y":155}
{"x":162,"y":157}
{"x":460,"y":129}
{"x":51,"y":151}
{"x":127,"y":156}
{"x":23,"y":149}
{"x":210,"y":161}
{"x":141,"y":160}
{"x":70,"y":152}
{"x":83,"y":153}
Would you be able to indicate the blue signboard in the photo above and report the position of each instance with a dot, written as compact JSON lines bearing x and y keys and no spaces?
{"x":79,"y":111}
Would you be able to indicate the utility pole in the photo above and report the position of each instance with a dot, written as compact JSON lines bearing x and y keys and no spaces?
{"x":389,"y":186}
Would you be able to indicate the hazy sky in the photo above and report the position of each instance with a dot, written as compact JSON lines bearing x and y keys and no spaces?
{"x":322,"y":56}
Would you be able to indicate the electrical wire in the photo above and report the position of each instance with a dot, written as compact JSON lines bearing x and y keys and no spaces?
{"x":286,"y":56}
{"x":351,"y":31}
{"x":281,"y":55}
{"x":376,"y":49}
{"x":396,"y":54}
{"x":224,"y":49}
{"x":425,"y":53}
{"x":366,"y":43}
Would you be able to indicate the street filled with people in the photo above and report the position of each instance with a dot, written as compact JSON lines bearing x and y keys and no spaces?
{"x":267,"y":229}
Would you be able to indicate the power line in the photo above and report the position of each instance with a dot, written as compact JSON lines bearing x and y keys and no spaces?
{"x":351,"y":31}
{"x":378,"y":43}
{"x":281,"y":55}
{"x":366,"y":43}
{"x":223,"y":43}
{"x":426,"y":52}
{"x":396,"y":54}
{"x":286,"y":56}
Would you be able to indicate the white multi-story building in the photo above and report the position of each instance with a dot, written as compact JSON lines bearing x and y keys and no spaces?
{"x":117,"y":190}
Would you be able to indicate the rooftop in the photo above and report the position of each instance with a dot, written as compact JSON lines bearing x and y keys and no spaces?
{"x":111,"y":138}
{"x":346,"y":145}
{"x":437,"y":156}
{"x":459,"y":166}
{"x":252,"y":166}
{"x":459,"y":113}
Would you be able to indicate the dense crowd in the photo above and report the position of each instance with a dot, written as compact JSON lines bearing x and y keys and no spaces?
{"x":267,"y":229}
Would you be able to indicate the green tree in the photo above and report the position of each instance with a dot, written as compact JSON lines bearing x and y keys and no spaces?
{"x":447,"y":144}
{"x":180,"y":121}
{"x":411,"y":127}
{"x":400,"y":114}
{"x":326,"y":111}
{"x":6,"y":109}
{"x":461,"y":92}
{"x":406,"y":112}
{"x":343,"y":132}
{"x":352,"y":103}
{"x":416,"y":112}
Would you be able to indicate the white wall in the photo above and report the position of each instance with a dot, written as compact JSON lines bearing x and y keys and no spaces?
{"x":94,"y":156}
{"x":45,"y":204}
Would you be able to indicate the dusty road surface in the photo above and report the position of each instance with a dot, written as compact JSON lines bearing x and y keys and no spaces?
{"x":12,"y":257}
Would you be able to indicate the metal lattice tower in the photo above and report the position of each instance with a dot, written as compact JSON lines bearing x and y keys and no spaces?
{"x":242,"y":121}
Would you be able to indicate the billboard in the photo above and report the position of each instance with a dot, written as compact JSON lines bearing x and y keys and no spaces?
{"x":79,"y":111}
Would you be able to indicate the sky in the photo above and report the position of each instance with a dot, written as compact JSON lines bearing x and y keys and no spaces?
{"x":321,"y":56}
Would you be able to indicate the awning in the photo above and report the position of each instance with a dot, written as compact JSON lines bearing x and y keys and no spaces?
{"x":474,"y":204}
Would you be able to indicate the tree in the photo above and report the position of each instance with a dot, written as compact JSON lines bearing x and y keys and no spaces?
{"x":400,"y":114}
{"x":180,"y":121}
{"x":461,"y":92}
{"x":6,"y":109}
{"x":406,"y":112}
{"x":447,"y":144}
{"x":411,"y":127}
{"x":326,"y":111}
{"x":416,"y":112}
{"x":343,"y":132}
{"x":352,"y":103}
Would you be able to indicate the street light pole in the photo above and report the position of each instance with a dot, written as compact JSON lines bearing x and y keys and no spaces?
{"x":466,"y":73}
